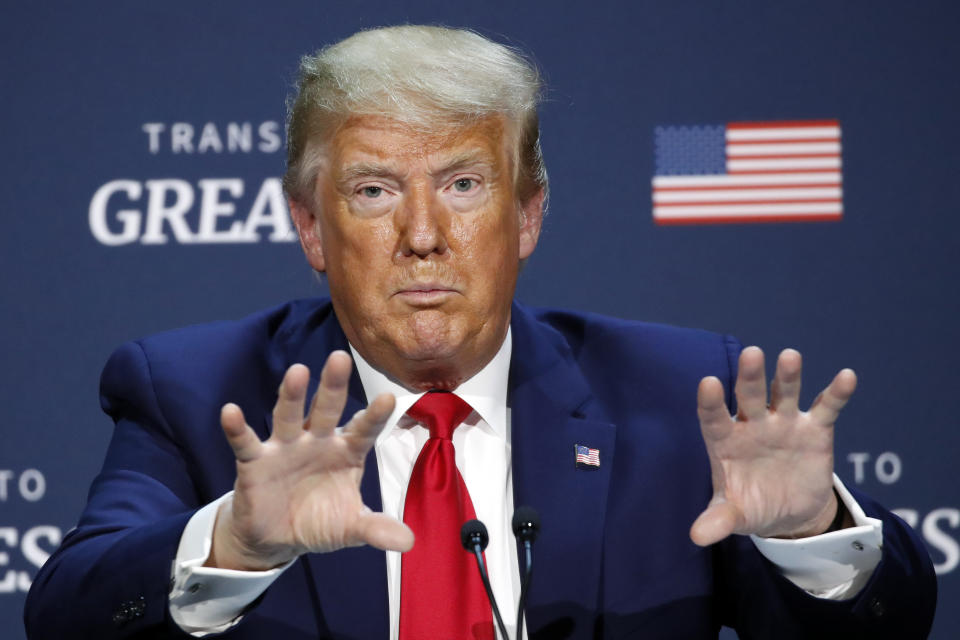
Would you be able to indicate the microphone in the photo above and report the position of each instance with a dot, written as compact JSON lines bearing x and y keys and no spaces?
{"x":526,"y":526}
{"x":474,"y":538}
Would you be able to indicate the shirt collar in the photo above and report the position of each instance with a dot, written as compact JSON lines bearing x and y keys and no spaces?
{"x":485,"y":392}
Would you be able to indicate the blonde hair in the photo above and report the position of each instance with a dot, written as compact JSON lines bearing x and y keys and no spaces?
{"x":423,"y":76}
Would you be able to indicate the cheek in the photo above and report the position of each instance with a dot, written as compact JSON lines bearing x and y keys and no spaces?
{"x":362,"y":241}
{"x":359,"y":261}
{"x":379,"y":239}
{"x":492,"y":234}
{"x":489,"y":257}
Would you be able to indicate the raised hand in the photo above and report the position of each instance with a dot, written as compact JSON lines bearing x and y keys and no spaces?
{"x":771,"y":464}
{"x":299,"y":490}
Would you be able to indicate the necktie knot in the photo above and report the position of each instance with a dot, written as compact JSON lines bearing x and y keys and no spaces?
{"x":441,"y":412}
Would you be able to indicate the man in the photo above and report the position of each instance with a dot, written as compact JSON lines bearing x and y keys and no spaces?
{"x":416,"y":185}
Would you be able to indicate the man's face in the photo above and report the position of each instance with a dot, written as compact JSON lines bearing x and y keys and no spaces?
{"x":421,"y":237}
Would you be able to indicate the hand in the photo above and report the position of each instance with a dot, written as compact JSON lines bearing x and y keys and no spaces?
{"x":299,"y":490}
{"x":772,"y":465}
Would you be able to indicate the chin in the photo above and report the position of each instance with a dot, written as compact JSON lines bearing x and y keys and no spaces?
{"x":432,"y":367}
{"x":436,"y":362}
{"x":438,"y":353}
{"x":430,"y":336}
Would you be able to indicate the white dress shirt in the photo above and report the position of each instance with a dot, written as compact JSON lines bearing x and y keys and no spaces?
{"x":207,"y":600}
{"x":482,"y":445}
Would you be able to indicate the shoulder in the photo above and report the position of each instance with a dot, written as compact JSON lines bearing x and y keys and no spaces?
{"x":626,"y":361}
{"x":273,"y":327}
{"x":228,"y":359}
{"x":594,"y":335}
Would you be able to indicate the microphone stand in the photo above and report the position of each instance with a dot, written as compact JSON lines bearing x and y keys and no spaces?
{"x":526,"y":526}
{"x":525,"y":583}
{"x":473,"y":536}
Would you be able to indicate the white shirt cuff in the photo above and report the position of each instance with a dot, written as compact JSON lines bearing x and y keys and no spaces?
{"x":835,"y":565}
{"x":205,"y":600}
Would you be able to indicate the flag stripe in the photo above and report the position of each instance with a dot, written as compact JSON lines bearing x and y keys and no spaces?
{"x":813,"y":217}
{"x":778,"y":149}
{"x":769,"y":124}
{"x":753,"y":172}
{"x":702,"y":195}
{"x":766,"y":164}
{"x":729,"y":181}
{"x":751,"y":209}
{"x":786,"y":159}
{"x":772,"y":134}
{"x":777,"y":157}
{"x":762,"y":141}
{"x":711,"y":203}
{"x":776,"y":133}
{"x":745,"y":187}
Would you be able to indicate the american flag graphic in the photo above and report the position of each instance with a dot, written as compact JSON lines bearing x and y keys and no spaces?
{"x":587,"y":456}
{"x":786,"y":171}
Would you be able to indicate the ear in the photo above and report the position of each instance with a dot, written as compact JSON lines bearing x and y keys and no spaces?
{"x":308,"y":228}
{"x":530,"y":223}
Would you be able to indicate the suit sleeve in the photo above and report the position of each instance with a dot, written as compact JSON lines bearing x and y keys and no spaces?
{"x":110,"y":577}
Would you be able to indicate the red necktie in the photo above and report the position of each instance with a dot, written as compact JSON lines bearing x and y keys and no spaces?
{"x":441,"y":594}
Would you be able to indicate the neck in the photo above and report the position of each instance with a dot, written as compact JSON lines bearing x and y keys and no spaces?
{"x":419,"y":376}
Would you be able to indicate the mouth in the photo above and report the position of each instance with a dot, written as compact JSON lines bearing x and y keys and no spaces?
{"x":425,"y":294}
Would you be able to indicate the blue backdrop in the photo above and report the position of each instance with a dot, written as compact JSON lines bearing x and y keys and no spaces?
{"x":143,"y":147}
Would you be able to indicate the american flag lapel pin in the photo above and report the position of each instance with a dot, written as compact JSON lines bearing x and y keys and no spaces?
{"x":586,"y":458}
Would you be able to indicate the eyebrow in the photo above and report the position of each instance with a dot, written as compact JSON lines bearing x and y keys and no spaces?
{"x":366,"y":170}
{"x":466,"y":159}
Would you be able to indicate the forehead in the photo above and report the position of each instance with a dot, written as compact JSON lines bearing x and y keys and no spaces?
{"x":380,"y":138}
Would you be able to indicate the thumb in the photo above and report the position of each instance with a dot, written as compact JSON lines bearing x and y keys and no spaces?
{"x":718,"y":521}
{"x":383,"y":532}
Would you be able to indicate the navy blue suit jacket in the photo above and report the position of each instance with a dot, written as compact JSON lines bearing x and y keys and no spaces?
{"x":614,"y":559}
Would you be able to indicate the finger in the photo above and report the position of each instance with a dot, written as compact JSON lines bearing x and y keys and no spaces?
{"x":383,"y":532}
{"x":712,"y":408}
{"x":242,"y":439}
{"x":719,"y":520}
{"x":288,"y":412}
{"x":331,"y":395}
{"x":751,"y":387}
{"x":831,"y":400}
{"x":366,"y":425}
{"x":785,"y":390}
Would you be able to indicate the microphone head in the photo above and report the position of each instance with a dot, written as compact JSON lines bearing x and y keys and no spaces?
{"x":526,"y":523}
{"x":473,"y":533}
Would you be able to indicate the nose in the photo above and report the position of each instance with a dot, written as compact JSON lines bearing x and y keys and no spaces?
{"x":422,"y":224}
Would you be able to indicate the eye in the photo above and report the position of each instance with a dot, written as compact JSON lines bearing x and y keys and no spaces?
{"x":372,"y":192}
{"x":463,"y":185}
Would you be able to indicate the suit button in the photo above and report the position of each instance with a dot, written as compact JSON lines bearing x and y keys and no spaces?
{"x":877,"y":608}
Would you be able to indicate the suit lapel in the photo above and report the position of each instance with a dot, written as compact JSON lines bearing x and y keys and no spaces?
{"x":351,"y":583}
{"x":551,"y":412}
